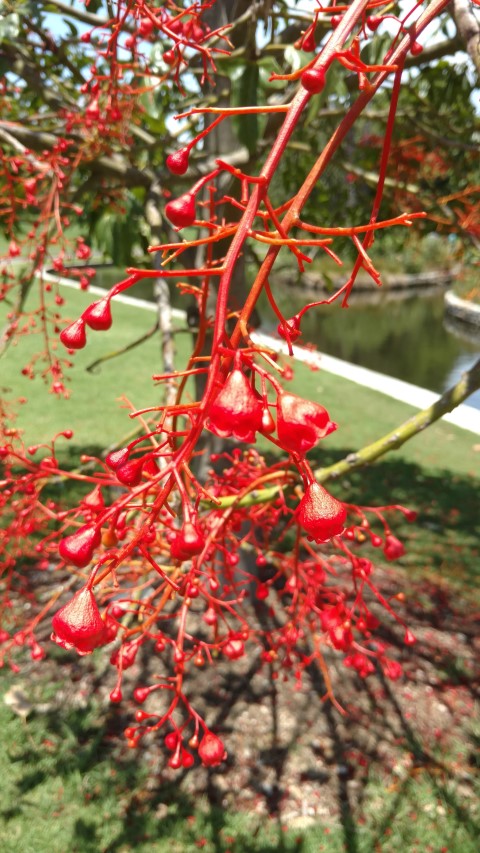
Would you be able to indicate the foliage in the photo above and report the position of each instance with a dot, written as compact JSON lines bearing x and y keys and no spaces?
{"x":194,"y":555}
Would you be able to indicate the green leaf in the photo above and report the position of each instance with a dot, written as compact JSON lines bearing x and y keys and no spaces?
{"x":71,"y":26}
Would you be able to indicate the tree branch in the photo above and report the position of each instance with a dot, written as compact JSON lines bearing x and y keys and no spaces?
{"x":435,"y":51}
{"x":468,"y":28}
{"x":467,"y":384}
{"x":79,"y":14}
{"x":114,"y":165}
{"x":127,"y":348}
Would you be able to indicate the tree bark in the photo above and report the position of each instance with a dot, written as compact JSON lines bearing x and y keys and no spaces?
{"x":468,"y":28}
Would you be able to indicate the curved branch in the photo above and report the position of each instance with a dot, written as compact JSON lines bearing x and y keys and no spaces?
{"x":467,"y":384}
{"x":79,"y":14}
{"x":91,"y":367}
{"x":113,"y":165}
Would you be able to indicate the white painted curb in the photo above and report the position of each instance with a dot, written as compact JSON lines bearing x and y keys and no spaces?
{"x":463,"y":310}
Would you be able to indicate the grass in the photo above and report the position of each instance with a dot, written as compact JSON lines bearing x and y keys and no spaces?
{"x":70,"y":784}
{"x":93,"y":410}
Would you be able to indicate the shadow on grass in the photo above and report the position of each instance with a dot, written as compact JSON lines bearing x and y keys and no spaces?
{"x":117,"y":801}
{"x":109,"y":799}
{"x":72,"y":763}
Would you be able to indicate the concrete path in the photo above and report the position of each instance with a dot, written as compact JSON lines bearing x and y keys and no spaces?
{"x":464,"y":416}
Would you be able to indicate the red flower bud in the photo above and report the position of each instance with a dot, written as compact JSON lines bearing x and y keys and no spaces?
{"x":187,"y":758}
{"x":236,"y":411}
{"x":145,"y":27}
{"x":177,"y":163}
{"x":211,"y":750}
{"x":130,"y":472}
{"x":98,"y":315}
{"x":78,"y":624}
{"x":181,"y":211}
{"x":409,"y":639}
{"x":169,"y":57}
{"x":361,"y":663}
{"x":74,"y":337}
{"x":234,"y":649}
{"x":393,"y":548}
{"x":210,"y":616}
{"x":320,"y":514}
{"x":373,"y":22}
{"x":78,"y":548}
{"x":141,"y":693}
{"x":187,"y":542}
{"x":290,"y":330}
{"x":308,"y":41}
{"x":301,"y":423}
{"x":171,"y":740}
{"x":117,"y":458}
{"x":392,"y":669}
{"x":94,"y":500}
{"x":313,"y":80}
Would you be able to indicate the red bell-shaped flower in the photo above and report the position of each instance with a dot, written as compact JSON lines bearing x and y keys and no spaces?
{"x":78,"y":548}
{"x":393,"y":548}
{"x":73,"y":336}
{"x":211,"y":750}
{"x":98,"y":315}
{"x":78,"y":625}
{"x":187,"y":542}
{"x":236,"y":411}
{"x":130,"y":472}
{"x":181,"y":211}
{"x":94,"y":500}
{"x":117,"y":458}
{"x":178,"y":161}
{"x":320,"y":514}
{"x":301,"y":423}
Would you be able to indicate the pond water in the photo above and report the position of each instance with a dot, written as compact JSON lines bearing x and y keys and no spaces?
{"x":404,"y":336}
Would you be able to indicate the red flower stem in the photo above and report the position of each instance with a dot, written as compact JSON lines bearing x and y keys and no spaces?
{"x":292,"y":216}
{"x":296,"y":108}
{"x":157,"y":568}
{"x":402,"y":219}
{"x":235,"y":111}
{"x":139,"y":274}
{"x":202,"y":241}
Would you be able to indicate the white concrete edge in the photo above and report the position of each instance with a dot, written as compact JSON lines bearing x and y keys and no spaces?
{"x":462,"y":308}
{"x":464,"y":416}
